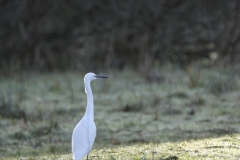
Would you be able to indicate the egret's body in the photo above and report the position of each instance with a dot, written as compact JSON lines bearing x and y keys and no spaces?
{"x":85,"y":131}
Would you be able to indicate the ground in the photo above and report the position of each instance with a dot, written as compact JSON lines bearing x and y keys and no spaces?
{"x":183,"y":113}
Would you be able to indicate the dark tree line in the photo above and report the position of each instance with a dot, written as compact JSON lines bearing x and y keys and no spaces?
{"x":88,"y":34}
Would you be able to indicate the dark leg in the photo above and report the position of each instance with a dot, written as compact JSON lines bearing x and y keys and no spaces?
{"x":87,"y":156}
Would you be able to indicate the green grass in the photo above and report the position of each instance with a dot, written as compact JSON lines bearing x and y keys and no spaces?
{"x":185,"y":115}
{"x":225,"y":147}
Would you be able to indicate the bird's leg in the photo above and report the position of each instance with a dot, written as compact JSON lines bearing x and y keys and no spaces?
{"x":87,"y":156}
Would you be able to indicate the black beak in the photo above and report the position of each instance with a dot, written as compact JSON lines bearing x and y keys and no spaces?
{"x":97,"y":76}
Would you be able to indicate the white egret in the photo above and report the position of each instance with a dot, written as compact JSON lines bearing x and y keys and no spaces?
{"x":85,"y":131}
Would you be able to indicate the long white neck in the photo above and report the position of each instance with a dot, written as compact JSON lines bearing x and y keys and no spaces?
{"x":90,"y":105}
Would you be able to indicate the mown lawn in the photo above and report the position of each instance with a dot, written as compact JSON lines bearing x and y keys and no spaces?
{"x":171,"y":113}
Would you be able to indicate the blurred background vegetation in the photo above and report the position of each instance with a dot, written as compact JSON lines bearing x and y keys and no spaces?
{"x":48,"y":35}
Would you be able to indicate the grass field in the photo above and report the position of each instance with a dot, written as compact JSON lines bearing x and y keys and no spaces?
{"x":173,"y":113}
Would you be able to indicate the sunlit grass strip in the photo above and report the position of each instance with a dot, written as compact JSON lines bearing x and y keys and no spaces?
{"x":226,"y":147}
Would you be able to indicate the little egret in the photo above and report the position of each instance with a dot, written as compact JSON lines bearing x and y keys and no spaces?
{"x":85,"y":131}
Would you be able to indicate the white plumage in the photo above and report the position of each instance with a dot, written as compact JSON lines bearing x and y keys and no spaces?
{"x":85,"y":131}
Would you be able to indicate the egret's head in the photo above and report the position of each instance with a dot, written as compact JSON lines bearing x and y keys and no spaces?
{"x":91,"y":76}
